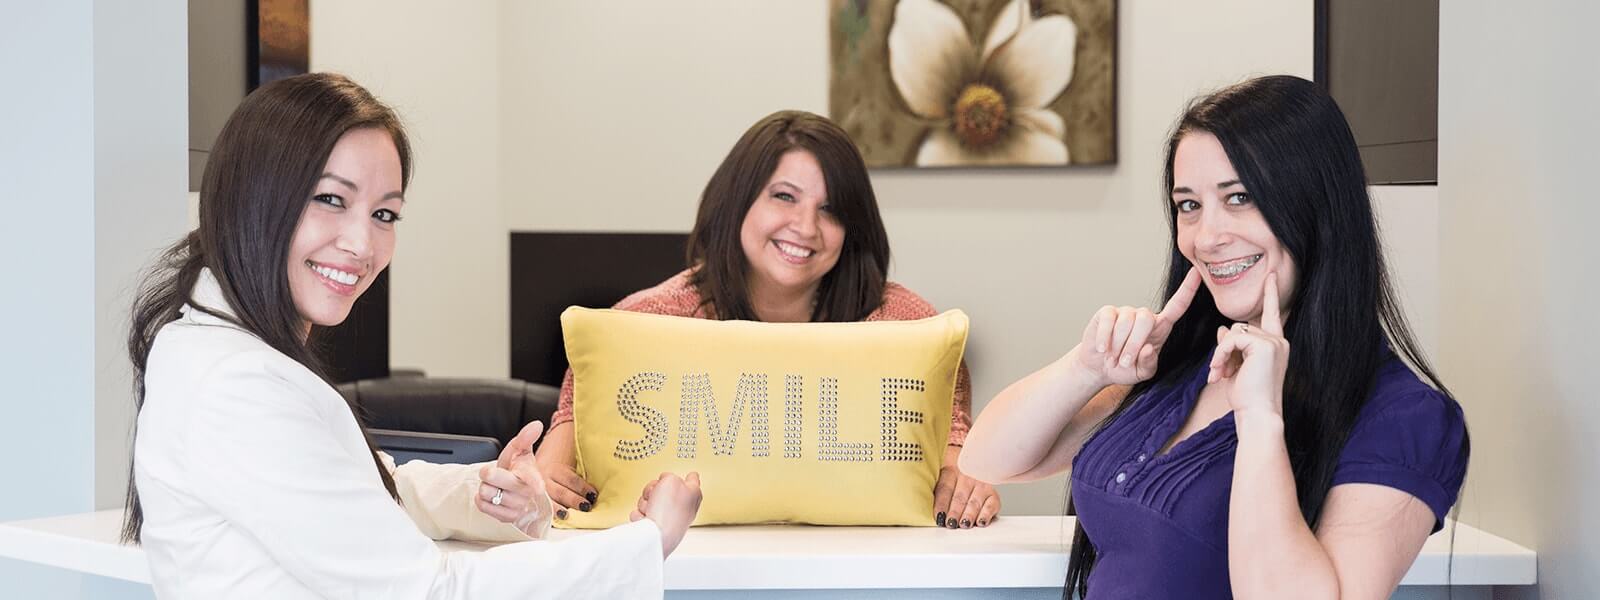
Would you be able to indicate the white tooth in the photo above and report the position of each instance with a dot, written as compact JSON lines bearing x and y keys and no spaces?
{"x":794,"y":251}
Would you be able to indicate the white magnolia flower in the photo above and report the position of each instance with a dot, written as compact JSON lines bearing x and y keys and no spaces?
{"x":987,"y":103}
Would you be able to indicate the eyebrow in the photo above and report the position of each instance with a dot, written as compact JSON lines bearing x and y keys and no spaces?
{"x":1221,"y":186}
{"x":352,"y":185}
{"x":782,"y":182}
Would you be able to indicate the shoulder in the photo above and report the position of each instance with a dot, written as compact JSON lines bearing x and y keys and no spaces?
{"x":901,"y":304}
{"x":206,"y":360}
{"x":1398,"y":394}
{"x":1408,"y":436}
{"x":196,"y":349}
{"x":676,"y":297}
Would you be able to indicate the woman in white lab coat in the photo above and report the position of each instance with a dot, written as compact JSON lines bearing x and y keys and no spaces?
{"x":252,"y":477}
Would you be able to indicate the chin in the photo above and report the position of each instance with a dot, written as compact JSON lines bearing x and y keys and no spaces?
{"x":1236,"y":312}
{"x":329,"y":318}
{"x":1241,"y":316}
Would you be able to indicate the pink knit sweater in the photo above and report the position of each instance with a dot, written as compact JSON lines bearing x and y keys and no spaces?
{"x":677,"y":297}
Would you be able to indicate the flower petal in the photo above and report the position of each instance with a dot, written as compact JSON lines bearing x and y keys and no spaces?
{"x":1036,"y":64}
{"x":930,"y":56}
{"x":1022,"y":146}
{"x":1044,"y":121}
{"x":1016,"y":15}
{"x":942,"y":149}
{"x":1031,"y":147}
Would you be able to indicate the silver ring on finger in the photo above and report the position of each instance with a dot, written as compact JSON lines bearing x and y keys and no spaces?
{"x":499,"y":494}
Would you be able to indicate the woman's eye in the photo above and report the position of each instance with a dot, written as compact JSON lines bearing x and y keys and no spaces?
{"x":784,"y":196}
{"x":385,"y":215}
{"x":1238,"y":198}
{"x":1188,"y":206}
{"x":329,"y":199}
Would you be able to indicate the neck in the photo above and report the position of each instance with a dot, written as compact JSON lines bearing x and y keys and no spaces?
{"x":782,"y":306}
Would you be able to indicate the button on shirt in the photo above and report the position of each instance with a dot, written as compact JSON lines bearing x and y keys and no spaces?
{"x":1159,"y":522}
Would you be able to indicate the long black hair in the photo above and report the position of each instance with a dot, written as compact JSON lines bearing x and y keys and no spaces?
{"x":1293,"y":150}
{"x":258,"y":180}
{"x":854,"y":287}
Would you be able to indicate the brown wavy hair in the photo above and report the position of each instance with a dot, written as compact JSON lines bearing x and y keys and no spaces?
{"x":848,"y":292}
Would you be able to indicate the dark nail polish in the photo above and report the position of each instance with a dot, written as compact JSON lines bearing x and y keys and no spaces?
{"x":982,"y":523}
{"x":939,"y":519}
{"x":953,"y":524}
{"x":590,"y":497}
{"x":561,"y":513}
{"x":966,"y":523}
{"x":584,"y":506}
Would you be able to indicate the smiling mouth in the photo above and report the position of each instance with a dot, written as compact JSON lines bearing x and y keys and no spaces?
{"x":793,"y":251}
{"x":1232,"y":268}
{"x":334,"y":275}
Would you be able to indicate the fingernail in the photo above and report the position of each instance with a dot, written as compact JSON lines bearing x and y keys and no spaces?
{"x":966,"y":523}
{"x":939,"y":519}
{"x":584,"y":506}
{"x":561,"y":513}
{"x":982,"y":523}
{"x":590,"y":497}
{"x":954,"y":524}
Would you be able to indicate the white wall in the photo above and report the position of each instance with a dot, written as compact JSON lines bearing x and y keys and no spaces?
{"x":95,"y":174}
{"x":1518,"y":89}
{"x":141,"y":116}
{"x":436,"y":64}
{"x":48,"y":198}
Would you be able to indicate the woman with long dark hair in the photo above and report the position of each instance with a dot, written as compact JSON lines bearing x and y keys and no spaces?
{"x":788,"y":230}
{"x":1208,"y":460}
{"x":253,"y":477}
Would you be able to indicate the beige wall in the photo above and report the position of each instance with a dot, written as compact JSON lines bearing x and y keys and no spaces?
{"x":437,"y":64}
{"x":1408,"y":223}
{"x":1518,"y":90}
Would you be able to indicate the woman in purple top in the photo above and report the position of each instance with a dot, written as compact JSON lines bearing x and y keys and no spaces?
{"x":1207,"y":459}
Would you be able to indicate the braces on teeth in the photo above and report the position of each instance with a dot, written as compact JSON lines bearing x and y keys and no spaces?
{"x":1236,"y":268}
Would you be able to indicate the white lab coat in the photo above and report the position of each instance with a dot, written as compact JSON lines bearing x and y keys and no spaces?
{"x":256,"y":483}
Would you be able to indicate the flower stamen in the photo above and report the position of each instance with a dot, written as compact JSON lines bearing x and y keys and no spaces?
{"x":980,"y":115}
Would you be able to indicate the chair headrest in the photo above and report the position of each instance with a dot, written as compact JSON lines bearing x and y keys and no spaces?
{"x":496,"y":408}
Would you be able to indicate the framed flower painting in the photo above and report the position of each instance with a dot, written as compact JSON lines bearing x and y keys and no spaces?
{"x":976,"y":83}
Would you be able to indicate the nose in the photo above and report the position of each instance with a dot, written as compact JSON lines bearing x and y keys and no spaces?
{"x":1214,"y":230}
{"x":355,"y":239}
{"x":804,"y":220}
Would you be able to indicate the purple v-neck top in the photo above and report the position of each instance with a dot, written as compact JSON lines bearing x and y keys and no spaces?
{"x":1159,"y":522}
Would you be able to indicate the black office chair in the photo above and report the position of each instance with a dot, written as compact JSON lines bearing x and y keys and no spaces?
{"x":448,"y":419}
{"x":438,"y":448}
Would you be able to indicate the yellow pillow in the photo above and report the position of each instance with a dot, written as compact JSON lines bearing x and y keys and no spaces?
{"x":823,"y":423}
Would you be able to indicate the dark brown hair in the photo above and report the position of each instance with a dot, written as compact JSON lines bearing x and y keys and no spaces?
{"x":258,"y":179}
{"x":854,"y":287}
